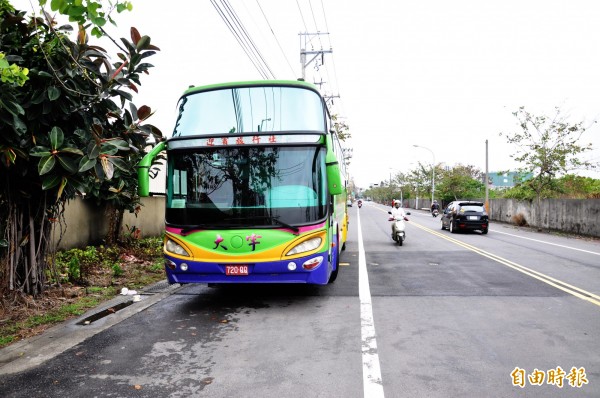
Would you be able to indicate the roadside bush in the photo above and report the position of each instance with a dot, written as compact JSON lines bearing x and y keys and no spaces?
{"x":100,"y":265}
{"x":519,"y":219}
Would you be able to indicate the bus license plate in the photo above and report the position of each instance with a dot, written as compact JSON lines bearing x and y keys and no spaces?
{"x":236,"y":270}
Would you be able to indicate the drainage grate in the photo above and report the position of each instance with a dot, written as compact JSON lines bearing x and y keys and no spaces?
{"x":160,"y":287}
{"x":106,"y":312}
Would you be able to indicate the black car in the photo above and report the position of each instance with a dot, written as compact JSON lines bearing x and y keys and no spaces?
{"x":465,"y":215}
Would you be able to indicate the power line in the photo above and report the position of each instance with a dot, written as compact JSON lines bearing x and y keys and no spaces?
{"x":302,"y":16}
{"x":254,"y":47}
{"x":315,"y":21}
{"x":240,"y":33}
{"x":275,"y":36}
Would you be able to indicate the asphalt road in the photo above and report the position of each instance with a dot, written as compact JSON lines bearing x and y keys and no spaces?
{"x":445,"y":315}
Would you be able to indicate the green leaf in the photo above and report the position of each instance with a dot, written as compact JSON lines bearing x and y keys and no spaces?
{"x":108,"y":149}
{"x":93,"y":150}
{"x":78,"y":183}
{"x":99,"y":21}
{"x":53,"y":93}
{"x":50,"y":181}
{"x":38,"y":97}
{"x":75,"y":11}
{"x":96,"y":32}
{"x":124,"y":94}
{"x":143,"y":43}
{"x":83,"y":134}
{"x":73,"y":151}
{"x":39,"y":151}
{"x":56,"y":5}
{"x":120,"y":164}
{"x":46,"y":164}
{"x":12,"y":107}
{"x":86,"y":163}
{"x":121,"y":145}
{"x":43,"y":73}
{"x":56,"y":137}
{"x":68,"y":164}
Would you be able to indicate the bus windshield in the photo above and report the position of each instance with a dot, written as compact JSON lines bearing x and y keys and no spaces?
{"x":234,"y":187}
{"x":249,"y":110}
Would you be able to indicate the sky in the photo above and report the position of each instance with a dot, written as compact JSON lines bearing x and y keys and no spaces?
{"x":445,"y":76}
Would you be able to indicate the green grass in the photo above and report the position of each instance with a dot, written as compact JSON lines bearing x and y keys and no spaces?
{"x":11,"y":333}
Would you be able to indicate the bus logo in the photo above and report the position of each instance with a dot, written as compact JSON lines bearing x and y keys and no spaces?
{"x":253,"y":240}
{"x":218,"y":243}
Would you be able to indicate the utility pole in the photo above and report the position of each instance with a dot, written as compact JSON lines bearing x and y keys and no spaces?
{"x":330,"y":97}
{"x":306,"y":38}
{"x":487,"y":180}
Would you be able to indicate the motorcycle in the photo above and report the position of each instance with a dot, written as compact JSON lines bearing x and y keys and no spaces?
{"x":359,"y":204}
{"x":435,"y":212}
{"x":398,"y":228}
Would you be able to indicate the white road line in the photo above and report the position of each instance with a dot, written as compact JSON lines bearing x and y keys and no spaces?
{"x":372,"y":382}
{"x":547,"y":243}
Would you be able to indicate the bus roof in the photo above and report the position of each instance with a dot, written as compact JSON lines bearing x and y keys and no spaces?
{"x":252,"y":83}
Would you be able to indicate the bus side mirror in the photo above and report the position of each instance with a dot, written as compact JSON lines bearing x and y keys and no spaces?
{"x":144,"y":169}
{"x":334,"y":179}
{"x":332,"y":168}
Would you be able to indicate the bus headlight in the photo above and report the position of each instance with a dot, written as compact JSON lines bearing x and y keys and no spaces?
{"x":175,"y":248}
{"x":306,"y":246}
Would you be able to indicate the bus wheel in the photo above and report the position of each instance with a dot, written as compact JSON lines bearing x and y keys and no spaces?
{"x":334,"y":273}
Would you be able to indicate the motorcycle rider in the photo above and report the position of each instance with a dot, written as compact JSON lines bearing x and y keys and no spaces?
{"x":397,"y":213}
{"x":435,"y":206}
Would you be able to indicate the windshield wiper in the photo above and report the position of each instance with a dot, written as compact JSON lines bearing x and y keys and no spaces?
{"x":284,"y":224}
{"x":190,"y":228}
{"x":274,"y":220}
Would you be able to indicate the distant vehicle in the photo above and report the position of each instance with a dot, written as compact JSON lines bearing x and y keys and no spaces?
{"x":349,"y":203}
{"x":463,"y":215}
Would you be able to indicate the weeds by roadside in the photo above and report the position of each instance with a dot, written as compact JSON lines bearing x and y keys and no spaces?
{"x":81,"y":279}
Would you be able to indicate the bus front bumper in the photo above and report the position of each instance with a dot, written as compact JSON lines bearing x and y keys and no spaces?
{"x":313,"y":269}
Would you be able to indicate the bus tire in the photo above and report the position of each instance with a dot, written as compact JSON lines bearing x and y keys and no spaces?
{"x":334,"y":273}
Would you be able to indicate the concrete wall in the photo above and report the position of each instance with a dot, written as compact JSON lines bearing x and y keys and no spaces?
{"x":86,"y":223}
{"x":578,"y":216}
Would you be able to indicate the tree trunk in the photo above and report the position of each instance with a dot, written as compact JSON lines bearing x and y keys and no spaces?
{"x":115,"y":223}
{"x":26,"y":234}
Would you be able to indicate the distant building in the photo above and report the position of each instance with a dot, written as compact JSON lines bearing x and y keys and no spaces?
{"x":498,"y":180}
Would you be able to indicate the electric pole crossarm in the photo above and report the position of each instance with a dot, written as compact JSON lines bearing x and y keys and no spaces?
{"x":304,"y":52}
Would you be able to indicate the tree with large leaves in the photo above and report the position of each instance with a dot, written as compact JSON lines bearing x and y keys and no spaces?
{"x":547,"y":149}
{"x":68,"y":127}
